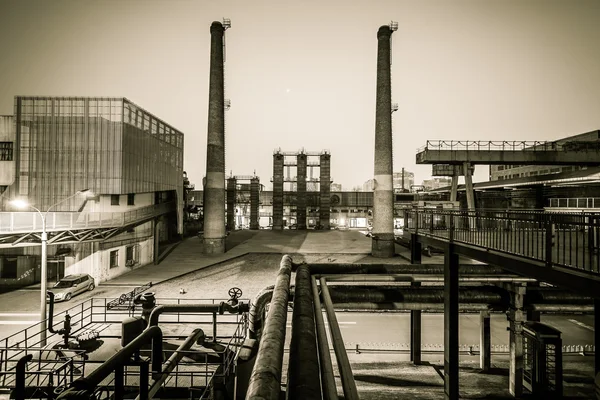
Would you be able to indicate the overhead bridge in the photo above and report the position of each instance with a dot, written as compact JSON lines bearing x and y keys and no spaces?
{"x":25,"y":228}
{"x":509,"y":152}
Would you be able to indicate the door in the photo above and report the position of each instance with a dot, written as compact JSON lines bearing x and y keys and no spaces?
{"x":80,"y":285}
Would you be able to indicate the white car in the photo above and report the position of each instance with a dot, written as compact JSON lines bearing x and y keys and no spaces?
{"x":72,"y":285}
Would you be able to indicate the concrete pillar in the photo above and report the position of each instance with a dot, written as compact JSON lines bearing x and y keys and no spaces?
{"x":301,"y":191}
{"x":469,"y":186}
{"x":451,"y":343}
{"x":325,"y":190}
{"x":231,"y":195}
{"x":382,"y":243}
{"x":214,"y":206}
{"x":454,"y":187}
{"x":278,"y":159}
{"x":485,"y":343}
{"x":516,"y":318}
{"x":156,"y":241}
{"x":254,"y":203}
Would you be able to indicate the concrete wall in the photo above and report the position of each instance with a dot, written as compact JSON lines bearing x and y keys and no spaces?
{"x":98,"y":263}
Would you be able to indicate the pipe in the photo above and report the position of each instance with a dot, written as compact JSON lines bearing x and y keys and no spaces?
{"x":562,"y":308}
{"x":348,"y":384}
{"x":172,"y":362}
{"x":257,"y":308}
{"x":327,"y":378}
{"x":89,"y":383}
{"x":425,"y":307}
{"x":303,"y":368}
{"x":437,"y":269}
{"x":402,"y":278}
{"x":195,"y":308}
{"x":19,"y":391}
{"x":265,"y":380}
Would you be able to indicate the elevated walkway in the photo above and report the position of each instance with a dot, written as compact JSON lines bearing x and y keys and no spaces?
{"x":25,"y":228}
{"x":509,"y":152}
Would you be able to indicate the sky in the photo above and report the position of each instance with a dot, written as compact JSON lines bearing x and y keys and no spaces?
{"x":301,"y":74}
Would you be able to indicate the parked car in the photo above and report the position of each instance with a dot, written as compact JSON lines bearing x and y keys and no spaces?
{"x":72,"y":285}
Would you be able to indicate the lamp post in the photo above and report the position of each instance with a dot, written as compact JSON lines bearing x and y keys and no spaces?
{"x":44,"y":266}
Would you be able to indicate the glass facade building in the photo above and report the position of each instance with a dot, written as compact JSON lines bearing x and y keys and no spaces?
{"x":107,"y":145}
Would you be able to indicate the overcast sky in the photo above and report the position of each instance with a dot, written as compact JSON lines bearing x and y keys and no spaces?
{"x":301,"y":74}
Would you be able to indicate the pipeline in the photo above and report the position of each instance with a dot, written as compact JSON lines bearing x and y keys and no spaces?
{"x":194,"y":308}
{"x":265,"y":380}
{"x":386,"y":269}
{"x":172,"y":362}
{"x":83,"y":387}
{"x":256,"y":313}
{"x":303,"y":370}
{"x":327,"y":379}
{"x":403,"y":278}
{"x":19,"y":392}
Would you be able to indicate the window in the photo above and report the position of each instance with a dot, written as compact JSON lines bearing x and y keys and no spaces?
{"x":131,"y":255}
{"x":131,"y":199}
{"x":6,"y":151}
{"x":114,"y":258}
{"x":8,"y":268}
{"x":114,"y":199}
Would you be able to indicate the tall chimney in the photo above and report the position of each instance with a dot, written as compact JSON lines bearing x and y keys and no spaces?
{"x":382,"y":244}
{"x":214,"y":205}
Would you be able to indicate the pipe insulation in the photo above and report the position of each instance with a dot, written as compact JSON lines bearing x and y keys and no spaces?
{"x":265,"y":380}
{"x":303,"y":371}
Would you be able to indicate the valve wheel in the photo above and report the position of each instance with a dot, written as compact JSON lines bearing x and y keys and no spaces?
{"x":235,"y":292}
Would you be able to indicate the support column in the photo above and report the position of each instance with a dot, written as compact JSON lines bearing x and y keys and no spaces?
{"x":382,"y":243}
{"x":301,"y":191}
{"x":454,"y":187}
{"x":415,"y":249}
{"x":254,"y":203}
{"x":415,"y":333}
{"x":278,"y":159}
{"x":231,"y":195}
{"x":516,"y":319}
{"x":469,"y":186}
{"x":485,"y":343}
{"x":325,"y":190}
{"x":214,"y":205}
{"x":597,"y":335}
{"x":156,"y":241}
{"x":451,"y":343}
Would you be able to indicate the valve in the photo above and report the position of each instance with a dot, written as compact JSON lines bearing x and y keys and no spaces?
{"x":234,"y":293}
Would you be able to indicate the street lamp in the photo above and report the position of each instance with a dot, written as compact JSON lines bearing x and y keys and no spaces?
{"x":44,"y":272}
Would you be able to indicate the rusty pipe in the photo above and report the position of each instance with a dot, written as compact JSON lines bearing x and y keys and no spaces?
{"x":303,"y":368}
{"x":265,"y":380}
{"x":348,"y":384}
{"x":152,"y":334}
{"x":20,"y":370}
{"x":194,"y":308}
{"x":172,"y":362}
{"x":327,"y":378}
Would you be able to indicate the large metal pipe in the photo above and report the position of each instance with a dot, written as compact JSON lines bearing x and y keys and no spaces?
{"x":348,"y":384}
{"x":399,"y":306}
{"x":303,"y":371}
{"x":382,"y":243}
{"x":172,"y":362}
{"x":327,"y":378}
{"x":404,"y":278}
{"x":214,"y":189}
{"x":153,"y":334}
{"x":437,"y":269}
{"x":257,"y":311}
{"x":265,"y":379}
{"x":195,"y":308}
{"x":20,"y":375}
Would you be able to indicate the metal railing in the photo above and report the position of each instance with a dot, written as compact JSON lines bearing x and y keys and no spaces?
{"x":19,"y":222}
{"x":489,"y":145}
{"x":575,"y":202}
{"x":565,"y":239}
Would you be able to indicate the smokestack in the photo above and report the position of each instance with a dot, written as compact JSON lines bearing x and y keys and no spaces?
{"x":214,"y":203}
{"x":382,"y":244}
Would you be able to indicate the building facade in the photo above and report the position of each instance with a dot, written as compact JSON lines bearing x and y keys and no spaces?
{"x":128,"y":158}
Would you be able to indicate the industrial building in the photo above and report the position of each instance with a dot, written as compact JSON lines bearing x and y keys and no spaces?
{"x":56,"y":147}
